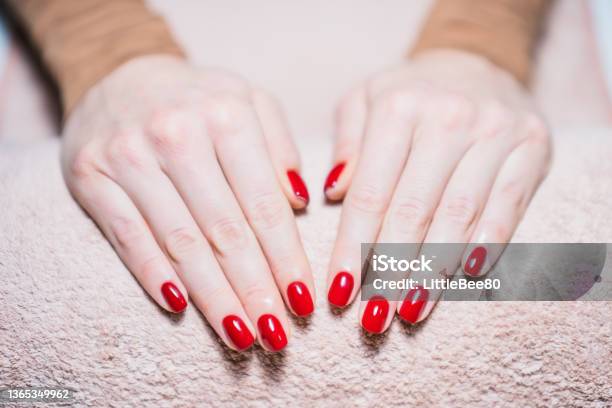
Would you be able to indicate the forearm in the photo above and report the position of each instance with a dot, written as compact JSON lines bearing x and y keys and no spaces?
{"x":81,"y":41}
{"x":504,"y":31}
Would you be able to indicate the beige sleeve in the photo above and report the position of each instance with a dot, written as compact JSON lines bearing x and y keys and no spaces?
{"x":81,"y":41}
{"x":504,"y":31}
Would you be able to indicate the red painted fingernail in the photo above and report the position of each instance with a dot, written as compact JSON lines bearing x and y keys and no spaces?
{"x":300,"y":299}
{"x":238,"y":332}
{"x":375,"y":314}
{"x":332,"y":177}
{"x":341,"y":289}
{"x":174,"y":297}
{"x":474,"y":263}
{"x":272,"y":332}
{"x":413,"y":304}
{"x":298,"y":186}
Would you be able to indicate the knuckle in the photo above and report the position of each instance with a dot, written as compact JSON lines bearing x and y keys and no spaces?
{"x":498,"y":231}
{"x":182,"y":243}
{"x":284,"y":255}
{"x":228,"y":234}
{"x":368,"y":199}
{"x":216,"y":78}
{"x":126,"y":232}
{"x":267,"y":210}
{"x":378,"y":82}
{"x":410,"y":214}
{"x":209,"y":296}
{"x":169,"y":131}
{"x":82,"y":164}
{"x":397,"y":102}
{"x":460,"y":210}
{"x":226,"y":113}
{"x":151,"y":267}
{"x":497,"y":119}
{"x":254,"y":293}
{"x":514,"y":194}
{"x":236,"y":84}
{"x":536,"y":129}
{"x":124,"y":150}
{"x":455,"y":111}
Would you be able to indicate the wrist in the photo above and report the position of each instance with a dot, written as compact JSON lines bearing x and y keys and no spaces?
{"x":504,"y":31}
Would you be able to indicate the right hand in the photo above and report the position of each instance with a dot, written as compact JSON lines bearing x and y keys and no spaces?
{"x":192,"y":175}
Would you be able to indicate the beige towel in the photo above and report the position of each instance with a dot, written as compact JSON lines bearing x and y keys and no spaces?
{"x":71,"y":315}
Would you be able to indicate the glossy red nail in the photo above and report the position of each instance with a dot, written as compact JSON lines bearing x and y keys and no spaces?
{"x":174,"y":297}
{"x":413,"y":304}
{"x":375,"y":314}
{"x":300,"y":299}
{"x":238,"y":332}
{"x":298,"y":186}
{"x":341,"y":289}
{"x":272,"y":333}
{"x":332,"y":177}
{"x":475,"y":261}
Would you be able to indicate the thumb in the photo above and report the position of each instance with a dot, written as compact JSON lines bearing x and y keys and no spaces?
{"x":350,"y":124}
{"x":283,"y":152}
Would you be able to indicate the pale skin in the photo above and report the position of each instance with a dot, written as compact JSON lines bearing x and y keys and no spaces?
{"x":184,"y":171}
{"x":443,"y":148}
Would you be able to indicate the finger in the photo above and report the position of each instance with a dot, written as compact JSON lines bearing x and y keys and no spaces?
{"x":180,"y":238}
{"x":419,"y":189}
{"x":132,"y":239}
{"x":385,"y":148}
{"x":254,"y":185}
{"x":282,"y":150}
{"x":350,"y":125}
{"x":217,"y":213}
{"x":514,"y":187}
{"x":458,"y":211}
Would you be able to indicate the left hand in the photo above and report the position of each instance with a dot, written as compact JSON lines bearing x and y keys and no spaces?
{"x":444,"y":148}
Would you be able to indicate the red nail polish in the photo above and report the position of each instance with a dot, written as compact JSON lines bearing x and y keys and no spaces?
{"x":298,"y":186}
{"x":174,"y":297}
{"x":375,"y":314}
{"x":332,"y":177}
{"x":272,"y":332}
{"x":413,"y":304}
{"x":300,"y":299}
{"x":238,"y":332}
{"x":341,"y":289}
{"x":474,"y":263}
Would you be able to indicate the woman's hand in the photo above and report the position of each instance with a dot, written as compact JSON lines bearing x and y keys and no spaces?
{"x":444,"y":148}
{"x":192,"y":175}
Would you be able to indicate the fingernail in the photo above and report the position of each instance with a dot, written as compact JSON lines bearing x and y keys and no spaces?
{"x":375,"y":315}
{"x":332,"y":177}
{"x":298,"y":186}
{"x":341,"y":289}
{"x":300,"y":299}
{"x":272,"y":332}
{"x":475,"y":261}
{"x":238,"y":332}
{"x":174,"y":297}
{"x":413,"y":304}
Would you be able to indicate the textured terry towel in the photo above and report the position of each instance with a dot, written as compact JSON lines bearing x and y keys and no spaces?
{"x":70,"y":314}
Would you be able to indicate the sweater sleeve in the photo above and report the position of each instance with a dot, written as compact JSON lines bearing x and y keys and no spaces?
{"x":81,"y":41}
{"x":504,"y":31}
